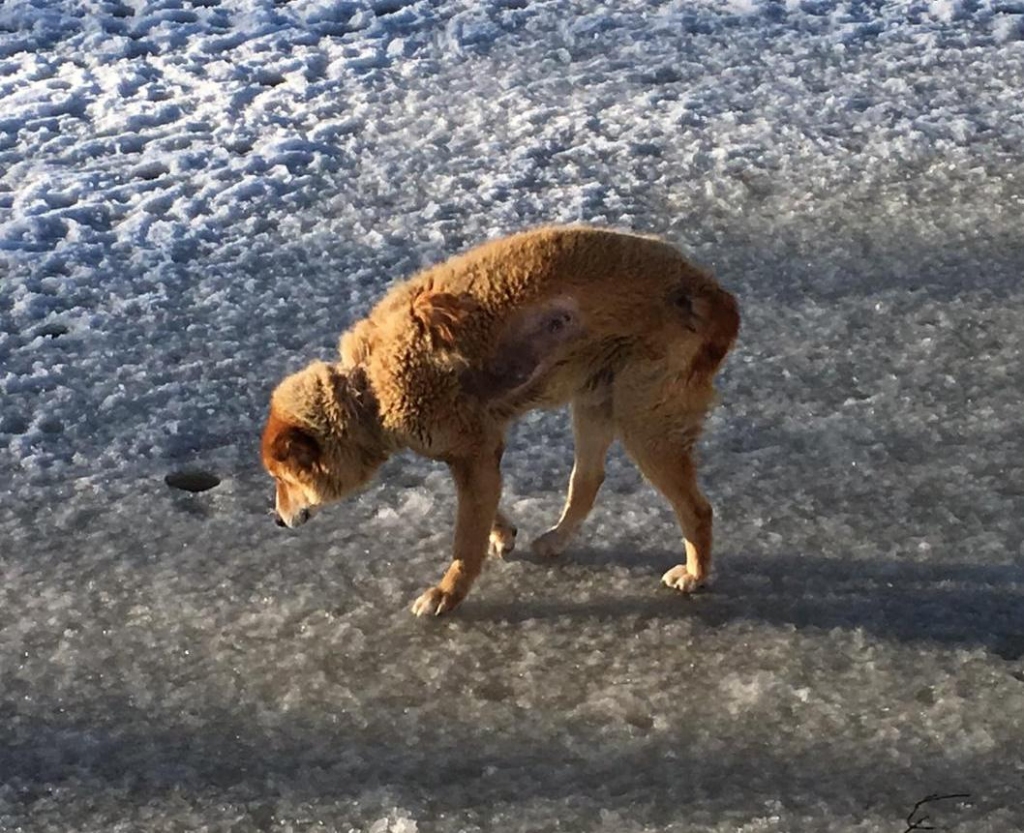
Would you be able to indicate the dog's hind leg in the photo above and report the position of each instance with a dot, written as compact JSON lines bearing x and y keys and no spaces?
{"x":666,"y":461}
{"x":503,"y":535}
{"x":478,"y":486}
{"x":593,"y":432}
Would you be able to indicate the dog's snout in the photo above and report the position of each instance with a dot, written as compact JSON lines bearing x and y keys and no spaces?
{"x":298,"y":519}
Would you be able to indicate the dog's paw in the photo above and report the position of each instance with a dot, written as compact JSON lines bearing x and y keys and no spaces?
{"x":503,"y":539}
{"x":434,"y":602}
{"x":679,"y":578}
{"x":550,"y":544}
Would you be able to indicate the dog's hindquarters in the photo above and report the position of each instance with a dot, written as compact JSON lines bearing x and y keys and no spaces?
{"x":649,"y":381}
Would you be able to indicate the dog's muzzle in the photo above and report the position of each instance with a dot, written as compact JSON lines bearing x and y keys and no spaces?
{"x":298,"y":519}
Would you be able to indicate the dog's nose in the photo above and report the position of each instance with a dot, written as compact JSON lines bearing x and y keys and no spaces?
{"x":298,"y":519}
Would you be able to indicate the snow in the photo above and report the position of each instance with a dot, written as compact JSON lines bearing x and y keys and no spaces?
{"x":197,"y":197}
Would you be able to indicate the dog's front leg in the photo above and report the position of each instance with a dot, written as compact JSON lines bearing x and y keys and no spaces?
{"x":478,"y":485}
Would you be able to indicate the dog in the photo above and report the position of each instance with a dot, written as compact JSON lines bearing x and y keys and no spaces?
{"x":618,"y":325}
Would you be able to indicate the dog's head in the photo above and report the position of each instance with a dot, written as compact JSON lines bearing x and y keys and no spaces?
{"x":322,"y":440}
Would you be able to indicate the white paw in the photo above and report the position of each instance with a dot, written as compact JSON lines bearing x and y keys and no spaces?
{"x":551,"y":543}
{"x":434,"y":602}
{"x":503,"y":540}
{"x":679,"y":578}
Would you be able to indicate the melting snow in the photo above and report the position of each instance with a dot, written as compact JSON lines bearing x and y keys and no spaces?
{"x":197,"y":197}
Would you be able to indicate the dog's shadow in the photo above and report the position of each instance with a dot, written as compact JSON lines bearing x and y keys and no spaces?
{"x":966,"y":605}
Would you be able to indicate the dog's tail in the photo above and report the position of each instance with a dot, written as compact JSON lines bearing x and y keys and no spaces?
{"x":714,"y":315}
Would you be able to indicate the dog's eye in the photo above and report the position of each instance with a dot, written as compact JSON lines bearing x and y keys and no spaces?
{"x":682,"y":300}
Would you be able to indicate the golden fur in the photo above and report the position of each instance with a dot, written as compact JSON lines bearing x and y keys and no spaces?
{"x":618,"y":325}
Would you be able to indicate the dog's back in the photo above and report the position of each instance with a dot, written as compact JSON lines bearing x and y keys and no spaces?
{"x":639,"y":301}
{"x":641,"y":304}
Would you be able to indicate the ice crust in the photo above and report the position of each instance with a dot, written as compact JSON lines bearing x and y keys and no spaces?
{"x":196,"y":198}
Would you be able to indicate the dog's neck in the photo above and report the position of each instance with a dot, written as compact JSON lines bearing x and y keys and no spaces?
{"x":364,"y":409}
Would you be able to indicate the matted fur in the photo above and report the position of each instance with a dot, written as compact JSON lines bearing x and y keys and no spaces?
{"x":619,"y":325}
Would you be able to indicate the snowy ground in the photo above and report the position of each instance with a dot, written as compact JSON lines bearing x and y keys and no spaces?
{"x":196,"y":197}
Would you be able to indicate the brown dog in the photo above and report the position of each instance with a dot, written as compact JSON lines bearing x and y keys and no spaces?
{"x":618,"y":325}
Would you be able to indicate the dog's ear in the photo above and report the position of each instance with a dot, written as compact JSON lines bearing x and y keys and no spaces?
{"x":295,"y":447}
{"x":440,"y":314}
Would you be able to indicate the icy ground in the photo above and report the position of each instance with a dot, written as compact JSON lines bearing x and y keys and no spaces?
{"x":197,"y":197}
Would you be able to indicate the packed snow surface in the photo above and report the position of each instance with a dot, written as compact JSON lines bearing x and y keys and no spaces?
{"x":198,"y":196}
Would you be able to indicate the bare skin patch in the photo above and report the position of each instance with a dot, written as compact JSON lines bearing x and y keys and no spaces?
{"x":531,"y":345}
